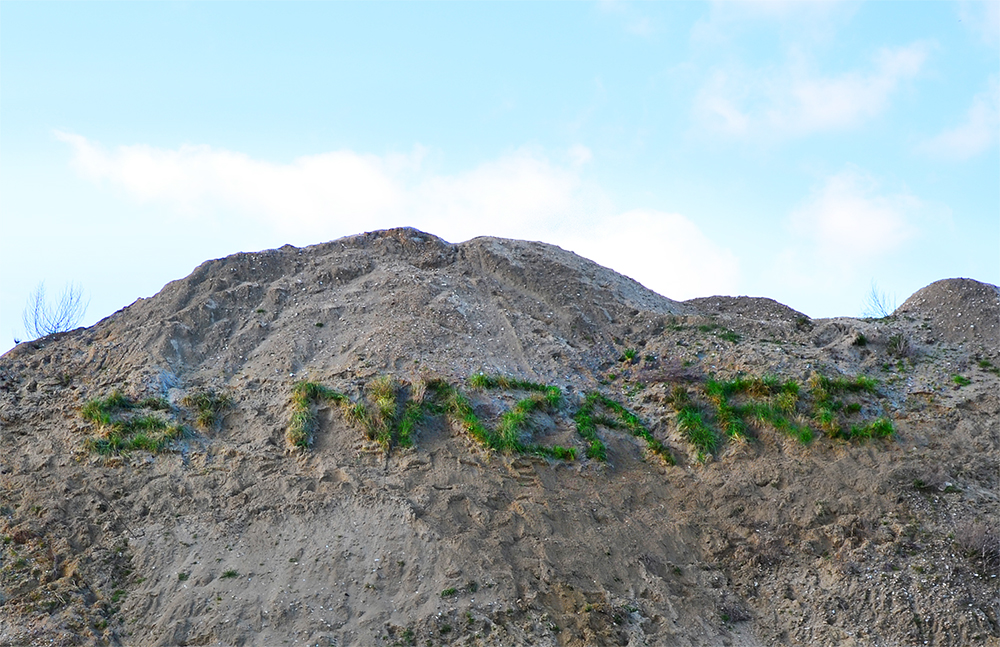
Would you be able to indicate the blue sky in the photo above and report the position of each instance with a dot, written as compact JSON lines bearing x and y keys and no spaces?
{"x":792,"y":150}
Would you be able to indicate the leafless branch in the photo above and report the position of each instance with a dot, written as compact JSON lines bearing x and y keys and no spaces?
{"x":878,"y":304}
{"x":40,"y":319}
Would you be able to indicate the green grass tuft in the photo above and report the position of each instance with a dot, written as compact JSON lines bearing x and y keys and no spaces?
{"x":698,"y":433}
{"x":587,"y":419}
{"x":987,"y":365}
{"x":209,"y":406}
{"x":564,"y":453}
{"x":302,"y":425}
{"x":119,"y":429}
{"x":730,"y":336}
{"x":513,"y":424}
{"x":483,"y":381}
{"x":878,"y":428}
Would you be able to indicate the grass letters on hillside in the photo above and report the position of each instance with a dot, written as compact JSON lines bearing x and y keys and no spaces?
{"x":149,"y":424}
{"x":390,"y":413}
{"x":125,"y":424}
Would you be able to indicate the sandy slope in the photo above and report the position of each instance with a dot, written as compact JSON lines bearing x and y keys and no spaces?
{"x":232,"y":539}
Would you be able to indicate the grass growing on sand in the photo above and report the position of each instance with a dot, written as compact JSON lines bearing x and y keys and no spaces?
{"x":209,"y":406}
{"x":379,"y":414}
{"x":506,"y":438}
{"x":828,"y":410}
{"x":305,"y":396}
{"x":738,"y":405}
{"x":390,"y":412}
{"x":485,"y":381}
{"x":771,"y":403}
{"x":692,"y":424}
{"x":125,"y":424}
{"x":390,"y":419}
{"x":595,"y":411}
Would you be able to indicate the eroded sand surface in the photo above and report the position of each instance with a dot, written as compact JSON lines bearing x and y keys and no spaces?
{"x":230,"y":538}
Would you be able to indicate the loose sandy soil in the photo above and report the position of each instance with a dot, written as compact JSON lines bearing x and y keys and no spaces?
{"x":232,"y":538}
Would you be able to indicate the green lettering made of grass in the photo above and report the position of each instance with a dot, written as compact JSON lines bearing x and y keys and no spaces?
{"x":508,"y":435}
{"x":600,"y":410}
{"x":390,"y":412}
{"x":305,"y":397}
{"x":125,"y":424}
{"x":744,"y":403}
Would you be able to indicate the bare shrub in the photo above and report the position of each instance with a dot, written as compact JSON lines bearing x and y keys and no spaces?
{"x":877,"y":304}
{"x":766,"y":553}
{"x":898,"y":346}
{"x":668,"y":372}
{"x":980,"y":542}
{"x":929,"y":478}
{"x":41,"y":319}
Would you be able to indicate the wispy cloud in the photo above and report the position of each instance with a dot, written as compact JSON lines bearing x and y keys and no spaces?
{"x":981,"y":17}
{"x":978,"y":132}
{"x":793,"y":21}
{"x":634,"y":21}
{"x":520,"y":195}
{"x":666,"y":252}
{"x":794,"y":100}
{"x":848,"y":230}
{"x":847,"y":219}
{"x":199,"y":179}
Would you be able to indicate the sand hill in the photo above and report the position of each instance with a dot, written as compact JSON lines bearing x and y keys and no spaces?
{"x":392,"y":440}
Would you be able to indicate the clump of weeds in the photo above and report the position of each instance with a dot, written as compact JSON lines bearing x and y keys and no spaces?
{"x":692,"y":423}
{"x":209,"y":406}
{"x":598,"y":409}
{"x":125,"y":424}
{"x":305,"y":397}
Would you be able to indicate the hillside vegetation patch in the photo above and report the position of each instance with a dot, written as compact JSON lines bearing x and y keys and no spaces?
{"x":738,"y":407}
{"x":598,"y":409}
{"x":305,"y":397}
{"x":390,"y":412}
{"x":125,"y":424}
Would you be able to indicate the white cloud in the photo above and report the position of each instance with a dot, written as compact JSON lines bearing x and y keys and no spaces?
{"x":795,"y":21}
{"x":666,"y":252}
{"x":320,"y":197}
{"x":846,"y":220}
{"x":981,"y":17}
{"x":716,"y":103}
{"x":846,"y":232}
{"x":631,"y":19}
{"x":978,"y":133}
{"x":338,"y":192}
{"x":794,"y":100}
{"x":517,"y":195}
{"x":304,"y":194}
{"x":640,"y":27}
{"x":579,"y":155}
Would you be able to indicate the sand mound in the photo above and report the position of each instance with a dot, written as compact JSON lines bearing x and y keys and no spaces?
{"x":750,"y":308}
{"x":849,"y":496}
{"x":383,"y":299}
{"x":961,"y":311}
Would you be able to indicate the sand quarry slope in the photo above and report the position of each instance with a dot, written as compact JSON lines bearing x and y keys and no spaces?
{"x":232,"y":537}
